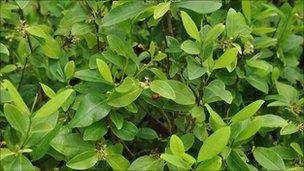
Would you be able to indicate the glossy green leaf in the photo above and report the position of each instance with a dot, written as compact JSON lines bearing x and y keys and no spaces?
{"x":226,"y":59}
{"x":163,"y":88}
{"x":117,"y":119}
{"x":214,"y":144}
{"x":104,"y":70}
{"x":91,"y":109}
{"x":216,"y":91}
{"x":252,"y":128}
{"x":5,"y":152}
{"x":236,"y":162}
{"x":147,"y":163}
{"x":161,"y":9}
{"x":18,"y":120}
{"x":117,"y":162}
{"x":69,"y":69}
{"x":15,"y":96}
{"x":190,"y":26}
{"x":202,"y":7}
{"x":48,"y":91}
{"x":297,"y":148}
{"x":268,"y":158}
{"x":127,"y":132}
{"x":147,"y":133}
{"x":190,"y":47}
{"x":215,"y":116}
{"x":183,"y":94}
{"x":176,"y":161}
{"x":176,"y":146}
{"x":54,"y":104}
{"x":95,"y":131}
{"x":247,"y":111}
{"x":212,"y":164}
{"x":83,"y":160}
{"x":272,"y":121}
{"x":117,"y":99}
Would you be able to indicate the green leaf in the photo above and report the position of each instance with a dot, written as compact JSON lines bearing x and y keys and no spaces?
{"x":271,"y":121}
{"x":147,"y":163}
{"x":81,"y":29}
{"x":249,"y":131}
{"x":71,"y":144}
{"x":235,"y":162}
{"x":20,"y":162}
{"x":117,"y":162}
{"x":214,"y":144}
{"x":127,"y":132}
{"x":117,"y":119}
{"x":290,"y":128}
{"x":183,"y":94}
{"x":194,"y":69}
{"x":187,"y":157}
{"x":18,"y":120}
{"x":190,"y":26}
{"x":117,"y":45}
{"x":236,"y":25}
{"x":123,"y":12}
{"x":297,"y":148}
{"x":287,"y":91}
{"x":214,"y":33}
{"x":69,"y":70}
{"x":54,"y":104}
{"x":226,"y":59}
{"x":104,"y":70}
{"x":176,"y":161}
{"x":176,"y":146}
{"x":216,"y":91}
{"x":268,"y":158}
{"x":212,"y":164}
{"x":51,"y":48}
{"x":92,"y":108}
{"x":117,"y":99}
{"x":147,"y":133}
{"x":190,"y":47}
{"x":246,"y":8}
{"x":202,"y":7}
{"x":83,"y":160}
{"x":47,"y":90}
{"x":247,"y":111}
{"x":161,"y":9}
{"x":95,"y":131}
{"x":15,"y":96}
{"x":3,"y":49}
{"x":37,"y":30}
{"x":263,"y":42}
{"x":216,"y":117}
{"x":163,"y":88}
{"x":5,"y":152}
{"x":127,"y":84}
{"x":258,"y":82}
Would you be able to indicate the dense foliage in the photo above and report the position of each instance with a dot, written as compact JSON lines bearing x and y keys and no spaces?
{"x":152,"y":85}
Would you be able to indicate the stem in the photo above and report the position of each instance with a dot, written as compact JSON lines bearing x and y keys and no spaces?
{"x":169,"y":23}
{"x":167,"y":119}
{"x":124,"y":70}
{"x":128,"y":149}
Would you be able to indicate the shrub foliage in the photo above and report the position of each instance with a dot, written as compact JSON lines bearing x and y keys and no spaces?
{"x":151,"y":85}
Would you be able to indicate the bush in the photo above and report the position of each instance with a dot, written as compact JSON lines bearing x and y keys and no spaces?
{"x":146,"y":85}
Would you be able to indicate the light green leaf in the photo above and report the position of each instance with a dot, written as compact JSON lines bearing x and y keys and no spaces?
{"x":104,"y":70}
{"x":287,"y":91}
{"x":271,"y":121}
{"x":123,"y":12}
{"x":69,"y":70}
{"x":5,"y":152}
{"x":183,"y":94}
{"x":176,"y":146}
{"x":127,"y":84}
{"x":268,"y":158}
{"x":187,"y":157}
{"x":117,"y":99}
{"x":190,"y":47}
{"x":161,"y":9}
{"x":249,"y":131}
{"x":215,"y":116}
{"x":247,"y":111}
{"x":17,"y":119}
{"x":190,"y":26}
{"x":81,"y":29}
{"x":51,"y":48}
{"x":47,"y":90}
{"x":258,"y":82}
{"x":83,"y":160}
{"x":212,"y":164}
{"x":147,"y":163}
{"x":214,"y":144}
{"x":226,"y":59}
{"x":54,"y":104}
{"x":117,"y":162}
{"x":92,"y":108}
{"x":163,"y":88}
{"x":246,"y":8}
{"x":194,"y":69}
{"x":214,"y":33}
{"x":15,"y":96}
{"x":290,"y":128}
{"x":202,"y":7}
{"x":216,"y":91}
{"x":235,"y":162}
{"x":3,"y":49}
{"x":176,"y":161}
{"x":297,"y":148}
{"x":127,"y":132}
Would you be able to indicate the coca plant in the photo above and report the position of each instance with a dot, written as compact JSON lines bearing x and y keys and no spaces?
{"x":152,"y":85}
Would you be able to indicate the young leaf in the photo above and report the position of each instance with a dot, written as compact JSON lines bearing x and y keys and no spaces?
{"x":147,"y":163}
{"x":268,"y":158}
{"x":249,"y":131}
{"x":214,"y":144}
{"x":54,"y":104}
{"x":69,"y":70}
{"x":176,"y":161}
{"x":124,"y":99}
{"x":83,"y":160}
{"x":297,"y":148}
{"x":226,"y":59}
{"x":104,"y":70}
{"x":15,"y":96}
{"x":212,"y":164}
{"x":247,"y":111}
{"x":18,"y":120}
{"x":47,"y":90}
{"x":202,"y":7}
{"x":194,"y":69}
{"x":272,"y":121}
{"x":5,"y":152}
{"x":117,"y":119}
{"x":216,"y":117}
{"x":190,"y":26}
{"x":163,"y":88}
{"x":176,"y":146}
{"x":117,"y":162}
{"x":183,"y":94}
{"x":190,"y":47}
{"x":161,"y":9}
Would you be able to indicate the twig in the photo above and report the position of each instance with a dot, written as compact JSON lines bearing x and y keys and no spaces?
{"x":127,"y":148}
{"x":167,"y":119}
